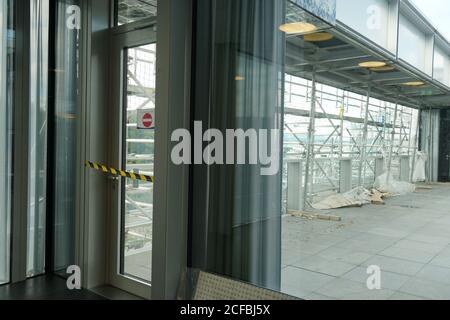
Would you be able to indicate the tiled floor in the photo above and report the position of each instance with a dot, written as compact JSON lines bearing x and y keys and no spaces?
{"x":408,"y":238}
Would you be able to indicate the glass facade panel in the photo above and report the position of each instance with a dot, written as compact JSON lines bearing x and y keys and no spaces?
{"x":7,"y":37}
{"x":275,"y":231}
{"x":39,"y":39}
{"x":128,"y":11}
{"x":65,"y":123}
{"x":239,"y":87}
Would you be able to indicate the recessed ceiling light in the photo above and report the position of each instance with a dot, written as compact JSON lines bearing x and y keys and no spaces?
{"x":317,"y":37}
{"x":239,"y":78}
{"x":381,"y":69}
{"x":298,"y":27}
{"x":414,"y":83}
{"x":372,"y":64}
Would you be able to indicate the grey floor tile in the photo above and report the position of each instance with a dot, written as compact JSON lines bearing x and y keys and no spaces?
{"x":389,"y":280}
{"x":310,"y":247}
{"x":289,"y":256}
{"x":400,"y":296}
{"x":318,"y":297}
{"x":408,"y":254}
{"x":301,"y":283}
{"x":441,"y":261}
{"x":435,"y":273}
{"x":427,"y":238}
{"x":345,"y":255}
{"x":408,"y":238}
{"x":418,"y":245}
{"x":370,"y":237}
{"x":364,"y":246}
{"x":390,"y":232}
{"x":426,"y":289}
{"x":329,"y":267}
{"x":344,"y":289}
{"x":395,"y":265}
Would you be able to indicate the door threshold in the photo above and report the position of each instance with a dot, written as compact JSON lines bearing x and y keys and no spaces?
{"x":113,"y":293}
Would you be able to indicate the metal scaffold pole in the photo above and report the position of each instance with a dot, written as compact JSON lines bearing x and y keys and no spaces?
{"x":363,"y":147}
{"x":415,"y":146}
{"x":310,"y":144}
{"x":430,"y":146}
{"x":391,"y":147}
{"x":341,"y":135}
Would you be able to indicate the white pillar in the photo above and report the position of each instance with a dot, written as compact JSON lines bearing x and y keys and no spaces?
{"x":295,"y":172}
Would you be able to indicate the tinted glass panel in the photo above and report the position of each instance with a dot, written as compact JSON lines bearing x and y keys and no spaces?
{"x":6,"y":100}
{"x":39,"y":31}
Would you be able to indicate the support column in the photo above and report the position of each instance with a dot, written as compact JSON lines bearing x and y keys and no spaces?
{"x":379,"y":167}
{"x":404,"y":168}
{"x":363,"y":147}
{"x":295,"y":185}
{"x":310,"y":146}
{"x":345,"y":175}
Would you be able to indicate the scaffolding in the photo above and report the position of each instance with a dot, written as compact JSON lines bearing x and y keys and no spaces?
{"x":328,"y":128}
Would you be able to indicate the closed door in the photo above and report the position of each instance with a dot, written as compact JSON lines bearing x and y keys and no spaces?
{"x":444,"y":161}
{"x":133,"y":137}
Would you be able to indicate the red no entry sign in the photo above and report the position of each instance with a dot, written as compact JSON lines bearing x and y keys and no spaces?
{"x":146,"y":119}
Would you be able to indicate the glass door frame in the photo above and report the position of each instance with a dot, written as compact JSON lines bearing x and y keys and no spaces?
{"x":121,"y":41}
{"x":171,"y":209}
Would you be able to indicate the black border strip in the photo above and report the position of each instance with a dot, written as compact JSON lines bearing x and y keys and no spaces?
{"x":51,"y":134}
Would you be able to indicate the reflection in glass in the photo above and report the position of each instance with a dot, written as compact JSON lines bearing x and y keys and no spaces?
{"x":237,"y":215}
{"x":138,"y":154}
{"x":65,"y":121}
{"x":6,"y":101}
{"x":134,"y":10}
{"x":39,"y":19}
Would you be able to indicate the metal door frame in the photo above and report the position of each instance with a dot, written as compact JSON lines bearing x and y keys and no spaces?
{"x":171,"y":190}
{"x":119,"y":43}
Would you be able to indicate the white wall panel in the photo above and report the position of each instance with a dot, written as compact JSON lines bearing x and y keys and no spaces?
{"x":441,"y":70}
{"x":412,"y":44}
{"x":370,"y":18}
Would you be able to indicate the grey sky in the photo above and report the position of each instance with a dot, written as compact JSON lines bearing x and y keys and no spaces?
{"x":438,"y":12}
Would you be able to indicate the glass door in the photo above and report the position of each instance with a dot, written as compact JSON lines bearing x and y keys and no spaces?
{"x":133,"y":135}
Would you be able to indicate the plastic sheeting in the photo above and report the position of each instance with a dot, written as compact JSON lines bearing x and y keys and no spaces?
{"x":419,"y":174}
{"x":387,"y":184}
{"x":429,"y":141}
{"x":354,"y":198}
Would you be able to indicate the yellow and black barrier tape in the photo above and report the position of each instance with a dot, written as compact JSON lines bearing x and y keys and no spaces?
{"x":121,"y":173}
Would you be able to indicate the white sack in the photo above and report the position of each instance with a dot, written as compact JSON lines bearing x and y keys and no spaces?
{"x":387,"y":184}
{"x":419,"y":174}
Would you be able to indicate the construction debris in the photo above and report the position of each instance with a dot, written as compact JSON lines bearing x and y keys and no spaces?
{"x":354,"y":198}
{"x":386,"y":183}
{"x":315,"y":216}
{"x":384,"y":187}
{"x":423,"y":187}
{"x":378,"y":197}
